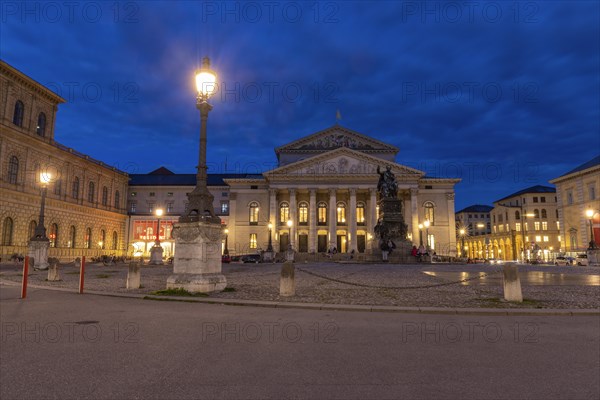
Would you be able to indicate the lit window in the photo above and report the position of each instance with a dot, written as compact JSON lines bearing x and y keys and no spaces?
{"x":224,"y":207}
{"x":322,"y":213}
{"x":253,"y":213}
{"x":360,"y":213}
{"x":169,"y":194}
{"x":518,"y":227}
{"x":546,"y":239}
{"x":558,"y":225}
{"x":303,"y":213}
{"x":132,"y":206}
{"x":526,"y":226}
{"x":341,"y":213}
{"x":429,"y":212}
{"x":133,"y":194}
{"x":544,"y":226}
{"x":284,"y":212}
{"x":253,"y":241}
{"x":538,"y":238}
{"x":53,"y":235}
{"x":536,"y":226}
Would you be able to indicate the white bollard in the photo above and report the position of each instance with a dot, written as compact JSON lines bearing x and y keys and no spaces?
{"x":512,"y":283}
{"x":287,"y":284}
{"x":53,"y":275}
{"x":134,"y":276}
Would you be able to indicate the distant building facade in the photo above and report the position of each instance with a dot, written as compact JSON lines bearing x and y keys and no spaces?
{"x":85,"y":205}
{"x":475,"y":220}
{"x":325,"y":185}
{"x":525,"y":225}
{"x":577,"y":192}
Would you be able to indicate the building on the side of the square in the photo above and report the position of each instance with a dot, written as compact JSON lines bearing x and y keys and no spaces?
{"x":322,"y":194}
{"x":475,"y":220}
{"x":85,"y":204}
{"x":525,"y":226}
{"x":577,"y":192}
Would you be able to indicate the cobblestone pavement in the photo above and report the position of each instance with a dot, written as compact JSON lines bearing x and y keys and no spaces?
{"x":366,"y":284}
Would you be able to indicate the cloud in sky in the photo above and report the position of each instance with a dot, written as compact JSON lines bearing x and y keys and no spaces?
{"x":501,"y":94}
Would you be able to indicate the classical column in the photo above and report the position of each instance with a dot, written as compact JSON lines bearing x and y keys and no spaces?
{"x":371,"y":217}
{"x":293,"y":212}
{"x":332,"y":218}
{"x":312,"y":222}
{"x":414,"y":213}
{"x":273,"y":219}
{"x":352,"y":222}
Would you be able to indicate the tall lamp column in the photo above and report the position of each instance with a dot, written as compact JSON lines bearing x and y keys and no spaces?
{"x":427,"y":223}
{"x":39,"y":243}
{"x":226,"y":249}
{"x":156,"y":252}
{"x":420,"y":235}
{"x":590,"y":214}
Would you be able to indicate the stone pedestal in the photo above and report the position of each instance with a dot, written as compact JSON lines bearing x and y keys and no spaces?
{"x":134,"y":276}
{"x":289,"y":254}
{"x":53,"y":275}
{"x":38,"y":253}
{"x":593,"y":256}
{"x":287,"y":282}
{"x":156,"y":255}
{"x":197,"y":261}
{"x":268,"y":256}
{"x":512,"y":283}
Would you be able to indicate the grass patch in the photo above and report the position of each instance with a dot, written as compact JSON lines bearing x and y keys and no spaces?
{"x":155,"y":299}
{"x":178,"y":292}
{"x":229,"y":289}
{"x":102,"y":276}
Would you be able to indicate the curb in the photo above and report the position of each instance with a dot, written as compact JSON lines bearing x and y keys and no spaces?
{"x":336,"y":307}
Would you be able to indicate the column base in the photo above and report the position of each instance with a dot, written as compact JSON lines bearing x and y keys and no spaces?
{"x":197,"y":283}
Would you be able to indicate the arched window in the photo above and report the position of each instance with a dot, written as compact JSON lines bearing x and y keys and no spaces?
{"x":88,"y":238}
{"x":322,"y":213}
{"x":544,"y":214}
{"x":53,"y":235}
{"x":13,"y":170}
{"x":41,"y":125}
{"x":117,"y":199}
{"x":75,"y":188}
{"x":284,"y":212}
{"x":536,"y":213}
{"x":360,"y":213}
{"x":72,"y":237}
{"x":115,"y":240}
{"x":104,"y":196}
{"x":253,"y":213}
{"x":7,"y":232}
{"x":341,"y":213}
{"x":18,"y":114}
{"x":91,"y":192}
{"x":303,"y":213}
{"x":429,"y":212}
{"x":32,"y":226}
{"x":102,"y":239}
{"x":517,"y":215}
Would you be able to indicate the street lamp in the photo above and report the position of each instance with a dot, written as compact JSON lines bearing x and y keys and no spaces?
{"x":159,"y":212}
{"x":270,"y":245}
{"x":40,"y":229}
{"x":590,"y":214}
{"x":200,"y":206}
{"x":226,"y":249}
{"x":156,"y":252}
{"x":426,"y":224}
{"x":462,"y":237}
{"x":420,"y":235}
{"x":289,"y":224}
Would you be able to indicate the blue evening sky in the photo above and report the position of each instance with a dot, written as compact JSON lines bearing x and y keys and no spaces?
{"x":503,"y":94}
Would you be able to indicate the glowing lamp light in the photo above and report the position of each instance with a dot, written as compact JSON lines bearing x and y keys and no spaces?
{"x":159,"y":212}
{"x":45,"y":177}
{"x":462,"y":231}
{"x":290,"y":223}
{"x":480,"y":225}
{"x":206,"y":79}
{"x":270,"y":226}
{"x":589,"y":213}
{"x":420,"y":226}
{"x":427,"y":223}
{"x":226,"y":231}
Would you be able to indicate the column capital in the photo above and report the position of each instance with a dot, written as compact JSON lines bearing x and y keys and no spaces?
{"x":414,"y":191}
{"x":449,"y":196}
{"x":273,"y":191}
{"x":292,"y":191}
{"x":352,"y":191}
{"x":373,"y":191}
{"x":312,"y":191}
{"x":332,"y":192}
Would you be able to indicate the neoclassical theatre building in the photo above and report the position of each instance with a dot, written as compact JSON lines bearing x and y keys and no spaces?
{"x":321,"y":195}
{"x":85,"y":205}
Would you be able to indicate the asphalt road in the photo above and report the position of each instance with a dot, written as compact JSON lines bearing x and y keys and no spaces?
{"x":57,"y":345}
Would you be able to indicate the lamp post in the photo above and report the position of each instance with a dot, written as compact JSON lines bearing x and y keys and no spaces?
{"x":226,"y":249}
{"x":270,"y":245}
{"x":40,"y":229}
{"x":426,"y":224}
{"x":590,"y":214}
{"x":462,"y":241}
{"x":289,"y":224}
{"x":420,"y":235}
{"x":156,"y":252}
{"x":200,"y":205}
{"x":39,"y":242}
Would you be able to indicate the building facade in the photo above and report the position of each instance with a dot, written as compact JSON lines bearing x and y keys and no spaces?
{"x":85,"y":204}
{"x":577,"y":192}
{"x":321,"y":195}
{"x":525,"y":226}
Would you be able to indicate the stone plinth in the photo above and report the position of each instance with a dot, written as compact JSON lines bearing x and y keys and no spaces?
{"x":134,"y":276}
{"x":156,"y":255}
{"x":197,"y":260}
{"x":53,"y":275}
{"x":38,"y":253}
{"x":268,"y":256}
{"x":287,"y":282}
{"x":512,"y":283}
{"x":593,"y":256}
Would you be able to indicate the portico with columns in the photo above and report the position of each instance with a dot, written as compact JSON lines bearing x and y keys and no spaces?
{"x":322,"y":195}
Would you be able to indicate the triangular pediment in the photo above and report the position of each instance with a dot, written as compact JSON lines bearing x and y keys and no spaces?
{"x":335,"y":137}
{"x":342,"y":161}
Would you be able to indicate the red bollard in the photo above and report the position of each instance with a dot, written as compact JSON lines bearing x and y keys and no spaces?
{"x":24,"y":282}
{"x":81,"y":274}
